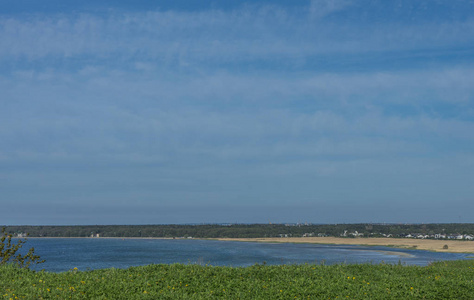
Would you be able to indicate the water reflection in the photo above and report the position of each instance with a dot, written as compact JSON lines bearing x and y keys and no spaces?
{"x":65,"y":254}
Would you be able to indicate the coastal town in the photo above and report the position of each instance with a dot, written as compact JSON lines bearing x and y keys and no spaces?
{"x":437,"y":236}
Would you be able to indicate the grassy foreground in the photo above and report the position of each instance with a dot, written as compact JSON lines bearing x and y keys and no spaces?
{"x":441,"y":280}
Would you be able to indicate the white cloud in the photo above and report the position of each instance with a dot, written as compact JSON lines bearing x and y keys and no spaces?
{"x":322,"y":8}
{"x":242,"y":35}
{"x":250,"y":104}
{"x":108,"y":113}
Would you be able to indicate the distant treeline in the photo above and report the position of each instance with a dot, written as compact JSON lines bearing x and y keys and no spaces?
{"x":243,"y":230}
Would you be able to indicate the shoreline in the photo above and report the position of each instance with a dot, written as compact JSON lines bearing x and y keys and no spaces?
{"x":454,"y":246}
{"x":102,"y":237}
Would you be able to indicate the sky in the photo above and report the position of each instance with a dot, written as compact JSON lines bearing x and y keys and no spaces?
{"x":174,"y":112}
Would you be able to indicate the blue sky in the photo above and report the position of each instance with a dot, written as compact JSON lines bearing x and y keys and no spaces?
{"x":152,"y":112}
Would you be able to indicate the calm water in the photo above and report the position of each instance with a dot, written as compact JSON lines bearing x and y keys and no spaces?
{"x":87,"y":253}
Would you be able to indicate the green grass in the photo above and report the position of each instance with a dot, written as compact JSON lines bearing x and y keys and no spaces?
{"x":442,"y":280}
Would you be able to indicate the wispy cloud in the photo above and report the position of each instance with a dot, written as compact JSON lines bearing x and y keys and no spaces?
{"x":332,"y":101}
{"x":252,"y":33}
{"x":110,"y":112}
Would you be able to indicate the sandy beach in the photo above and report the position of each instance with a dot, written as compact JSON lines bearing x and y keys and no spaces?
{"x":420,"y":244}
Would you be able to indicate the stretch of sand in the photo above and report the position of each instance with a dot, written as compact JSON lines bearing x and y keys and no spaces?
{"x":421,"y":244}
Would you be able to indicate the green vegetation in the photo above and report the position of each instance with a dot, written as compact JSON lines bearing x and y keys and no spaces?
{"x":441,"y":280}
{"x":9,"y":252}
{"x":244,"y":230}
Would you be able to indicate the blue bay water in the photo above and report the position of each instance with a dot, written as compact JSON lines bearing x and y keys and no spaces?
{"x":63,"y":254}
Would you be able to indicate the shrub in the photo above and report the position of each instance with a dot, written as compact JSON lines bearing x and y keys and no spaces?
{"x":9,"y":252}
{"x":445,"y":247}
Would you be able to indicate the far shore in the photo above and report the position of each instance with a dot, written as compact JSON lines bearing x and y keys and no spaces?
{"x":406,"y":243}
{"x":104,"y":237}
